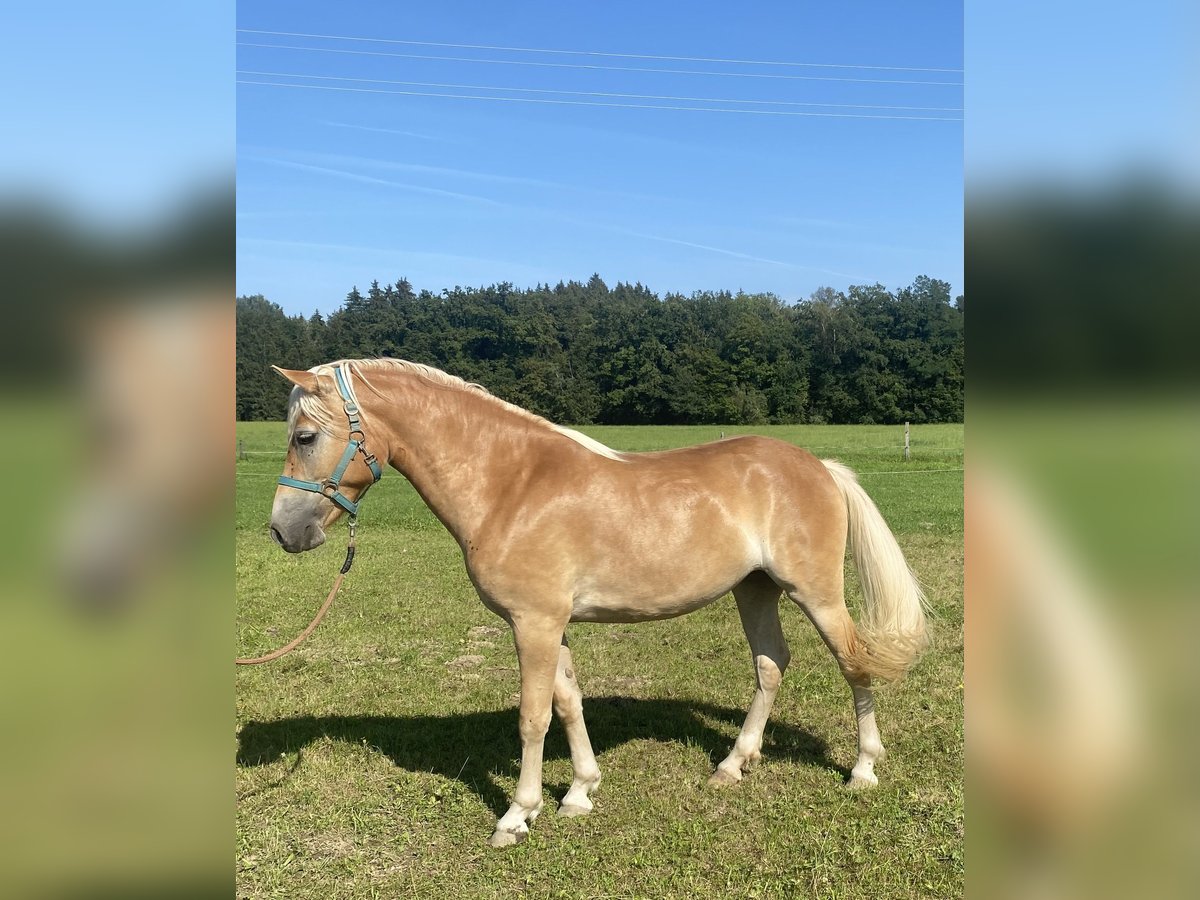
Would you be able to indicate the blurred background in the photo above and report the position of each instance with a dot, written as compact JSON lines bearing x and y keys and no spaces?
{"x":1082,"y":232}
{"x":116,"y":247}
{"x":117,"y":254}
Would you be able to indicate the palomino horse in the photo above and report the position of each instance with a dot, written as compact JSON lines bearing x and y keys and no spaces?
{"x":557,"y":528}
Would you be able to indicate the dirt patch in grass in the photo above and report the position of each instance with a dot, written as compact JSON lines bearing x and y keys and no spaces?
{"x":616,"y":684}
{"x":331,"y":844}
{"x":484,"y":633}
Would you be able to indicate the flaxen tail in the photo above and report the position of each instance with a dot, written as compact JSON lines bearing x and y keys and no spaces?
{"x":892,"y":632}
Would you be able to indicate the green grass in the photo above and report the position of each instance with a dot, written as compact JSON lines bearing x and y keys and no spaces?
{"x":373,"y":761}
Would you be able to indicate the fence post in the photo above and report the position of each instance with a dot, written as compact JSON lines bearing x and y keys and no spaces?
{"x":906,"y":442}
{"x":241,"y":449}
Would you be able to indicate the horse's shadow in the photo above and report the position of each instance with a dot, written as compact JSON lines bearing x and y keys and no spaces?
{"x":490,"y":743}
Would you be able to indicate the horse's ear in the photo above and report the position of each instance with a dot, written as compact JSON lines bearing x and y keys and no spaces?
{"x":306,"y":381}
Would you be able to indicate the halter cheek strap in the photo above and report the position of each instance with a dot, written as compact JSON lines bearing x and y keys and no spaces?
{"x":357,"y":444}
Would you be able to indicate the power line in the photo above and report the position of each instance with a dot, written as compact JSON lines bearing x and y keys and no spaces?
{"x":749,"y":112}
{"x":485,"y":87}
{"x":706,"y":59}
{"x":526,"y":62}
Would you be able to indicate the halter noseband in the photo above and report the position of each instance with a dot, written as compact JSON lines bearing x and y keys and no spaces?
{"x":357,"y":444}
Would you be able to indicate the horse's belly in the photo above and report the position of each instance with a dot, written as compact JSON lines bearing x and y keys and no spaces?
{"x":623,"y":568}
{"x":616,"y":609}
{"x":632,"y":596}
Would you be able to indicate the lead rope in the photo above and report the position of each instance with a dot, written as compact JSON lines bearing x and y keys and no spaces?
{"x":337,"y":583}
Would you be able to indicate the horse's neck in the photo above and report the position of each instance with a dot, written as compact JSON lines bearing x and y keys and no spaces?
{"x":458,"y":450}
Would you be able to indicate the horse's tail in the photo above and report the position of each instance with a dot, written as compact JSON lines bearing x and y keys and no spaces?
{"x":892,"y":632}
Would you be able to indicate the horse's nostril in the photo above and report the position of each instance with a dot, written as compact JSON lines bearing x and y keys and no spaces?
{"x":276,"y":536}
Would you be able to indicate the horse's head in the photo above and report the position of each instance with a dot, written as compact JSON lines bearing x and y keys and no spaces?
{"x":328,"y":466}
{"x":155,"y":371}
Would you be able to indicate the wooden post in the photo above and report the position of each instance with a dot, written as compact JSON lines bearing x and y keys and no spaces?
{"x":906,"y":442}
{"x":241,"y":449}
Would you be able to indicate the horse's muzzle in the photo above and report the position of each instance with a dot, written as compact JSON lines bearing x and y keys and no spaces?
{"x":297,"y":540}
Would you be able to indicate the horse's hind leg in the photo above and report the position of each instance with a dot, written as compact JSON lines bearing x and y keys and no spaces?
{"x":568,"y":706}
{"x":827,"y":611}
{"x":758,"y":604}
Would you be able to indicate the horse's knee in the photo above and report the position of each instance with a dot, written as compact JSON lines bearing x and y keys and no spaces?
{"x":533,"y":727}
{"x":568,"y":705}
{"x":568,"y":700}
{"x":770,"y":673}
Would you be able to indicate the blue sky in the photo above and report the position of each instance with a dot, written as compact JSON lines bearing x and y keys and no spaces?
{"x":1102,"y":90}
{"x":340,"y":186}
{"x":116,"y":111}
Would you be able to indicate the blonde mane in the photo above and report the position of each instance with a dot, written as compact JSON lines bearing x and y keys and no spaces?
{"x":312,"y":407}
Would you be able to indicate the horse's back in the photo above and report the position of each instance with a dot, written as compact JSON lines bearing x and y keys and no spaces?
{"x":748,"y":469}
{"x":662,"y":533}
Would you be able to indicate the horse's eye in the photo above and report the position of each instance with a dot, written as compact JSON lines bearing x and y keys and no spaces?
{"x":304,"y":438}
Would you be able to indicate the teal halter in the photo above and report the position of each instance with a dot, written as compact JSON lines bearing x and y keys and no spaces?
{"x":357,"y":444}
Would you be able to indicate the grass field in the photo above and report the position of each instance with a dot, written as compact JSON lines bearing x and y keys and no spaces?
{"x":373,"y":761}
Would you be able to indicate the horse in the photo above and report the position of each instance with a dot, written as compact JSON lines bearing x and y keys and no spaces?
{"x":555,"y":528}
{"x":130,"y":521}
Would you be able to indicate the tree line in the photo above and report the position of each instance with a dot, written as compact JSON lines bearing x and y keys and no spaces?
{"x":581,"y":353}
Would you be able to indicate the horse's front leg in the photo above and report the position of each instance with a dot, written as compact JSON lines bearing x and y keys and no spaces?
{"x":538,"y":639}
{"x":568,"y":706}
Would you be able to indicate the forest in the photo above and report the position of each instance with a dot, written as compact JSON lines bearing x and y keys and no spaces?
{"x":581,"y":353}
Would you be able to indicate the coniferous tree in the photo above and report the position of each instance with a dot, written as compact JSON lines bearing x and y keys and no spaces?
{"x":584,"y":352}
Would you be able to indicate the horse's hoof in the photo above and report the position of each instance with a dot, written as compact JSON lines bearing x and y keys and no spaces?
{"x":862,"y":782}
{"x":722,"y":779}
{"x":506,"y":838}
{"x":571,"y":810}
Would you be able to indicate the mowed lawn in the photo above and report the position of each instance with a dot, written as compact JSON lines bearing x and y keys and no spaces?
{"x":373,"y":761}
